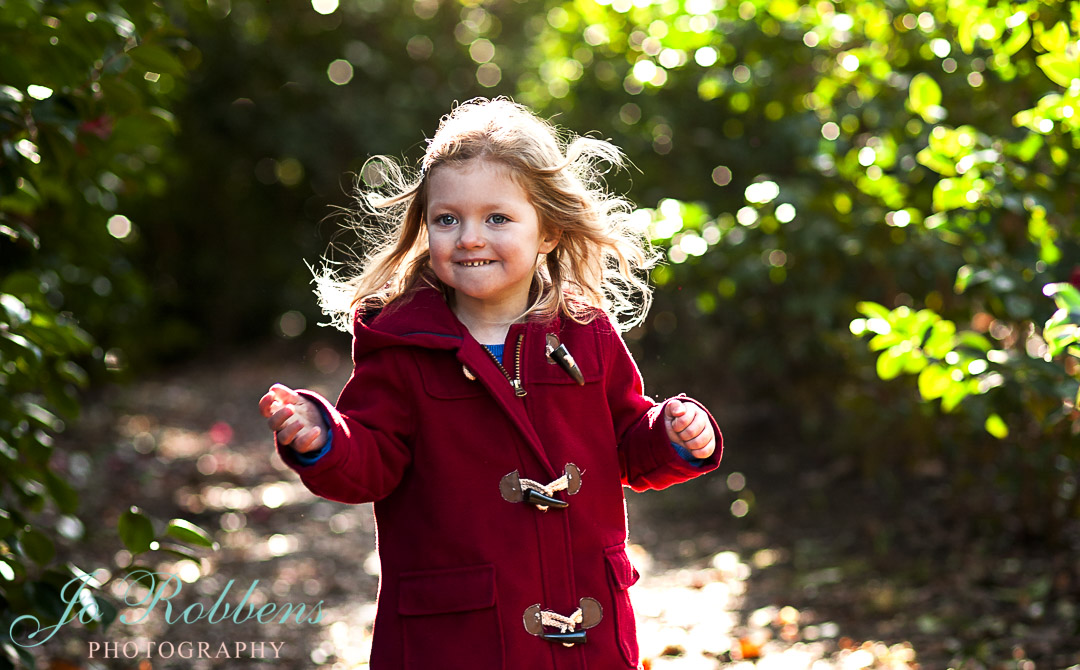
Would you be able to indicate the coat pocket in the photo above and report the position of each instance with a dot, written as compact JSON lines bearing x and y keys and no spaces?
{"x":450,"y":619}
{"x":621,"y":576}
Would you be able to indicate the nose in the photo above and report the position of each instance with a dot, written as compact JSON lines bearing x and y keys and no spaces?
{"x":470,"y":236}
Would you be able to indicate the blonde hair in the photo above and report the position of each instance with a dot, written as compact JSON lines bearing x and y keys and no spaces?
{"x":601,"y":261}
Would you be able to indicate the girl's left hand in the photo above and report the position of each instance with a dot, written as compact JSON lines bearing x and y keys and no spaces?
{"x":688,"y":425}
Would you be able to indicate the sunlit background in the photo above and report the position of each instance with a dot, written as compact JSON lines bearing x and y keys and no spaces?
{"x":868,"y":215}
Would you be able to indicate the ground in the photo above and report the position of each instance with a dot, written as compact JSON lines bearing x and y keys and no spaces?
{"x":773,"y":561}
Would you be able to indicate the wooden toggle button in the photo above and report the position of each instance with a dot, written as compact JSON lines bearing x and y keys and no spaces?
{"x":569,"y":639}
{"x":534,"y":497}
{"x":512,"y":490}
{"x":591,"y":614}
{"x":558,"y":353}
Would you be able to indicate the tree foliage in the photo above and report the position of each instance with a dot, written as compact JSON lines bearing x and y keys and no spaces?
{"x":84,"y":94}
{"x":907,"y":164}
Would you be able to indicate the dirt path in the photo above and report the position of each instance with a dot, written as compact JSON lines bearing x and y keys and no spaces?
{"x":722,"y":586}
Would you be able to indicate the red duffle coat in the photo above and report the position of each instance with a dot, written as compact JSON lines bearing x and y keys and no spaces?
{"x":461,"y":563}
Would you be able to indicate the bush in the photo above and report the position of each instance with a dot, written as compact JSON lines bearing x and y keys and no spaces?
{"x":84,"y":90}
{"x":900,"y":169}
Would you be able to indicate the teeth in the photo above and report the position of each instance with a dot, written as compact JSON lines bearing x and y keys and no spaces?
{"x":474,"y":264}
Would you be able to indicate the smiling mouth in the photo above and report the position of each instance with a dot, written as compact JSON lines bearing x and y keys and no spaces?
{"x":474,"y":264}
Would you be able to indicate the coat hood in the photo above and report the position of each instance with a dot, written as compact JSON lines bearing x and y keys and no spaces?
{"x":420,"y":319}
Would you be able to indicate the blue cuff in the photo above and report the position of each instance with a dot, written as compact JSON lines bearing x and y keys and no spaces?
{"x":311,"y":457}
{"x":685,"y":454}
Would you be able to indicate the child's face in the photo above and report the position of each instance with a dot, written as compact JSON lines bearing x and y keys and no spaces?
{"x":484,"y":236}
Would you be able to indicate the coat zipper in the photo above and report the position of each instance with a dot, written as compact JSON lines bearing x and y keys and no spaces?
{"x":515,"y":381}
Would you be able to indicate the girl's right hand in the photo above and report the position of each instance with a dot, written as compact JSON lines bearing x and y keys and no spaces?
{"x":296,"y":420}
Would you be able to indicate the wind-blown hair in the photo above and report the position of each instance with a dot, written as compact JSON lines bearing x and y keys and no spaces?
{"x":601,"y":260}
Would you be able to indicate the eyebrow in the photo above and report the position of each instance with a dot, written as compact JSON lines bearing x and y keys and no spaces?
{"x":488,"y":206}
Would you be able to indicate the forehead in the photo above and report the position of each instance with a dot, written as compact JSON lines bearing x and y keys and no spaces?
{"x":475,"y":181}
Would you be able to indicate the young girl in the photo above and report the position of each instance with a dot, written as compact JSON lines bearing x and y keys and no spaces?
{"x":494,"y":413}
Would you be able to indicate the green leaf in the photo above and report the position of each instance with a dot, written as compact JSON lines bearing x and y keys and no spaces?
{"x":17,"y":312}
{"x":934,"y":381}
{"x":1055,"y":39}
{"x":37,"y":546}
{"x":890,"y":363}
{"x":914,"y":362}
{"x":941,"y":339}
{"x":141,"y":574}
{"x":73,"y":373}
{"x":1060,"y":338}
{"x":1059,"y":68}
{"x":7,"y":526}
{"x":973,"y":340}
{"x":107,"y":612}
{"x":1064,"y":294}
{"x":995,"y":425}
{"x":22,"y":347}
{"x":46,"y":598}
{"x":884,"y":341}
{"x":185,"y":531}
{"x":66,"y":497}
{"x":136,"y":531}
{"x":1020,"y":36}
{"x":156,"y":59}
{"x":180,"y":551}
{"x":872,"y":309}
{"x":120,"y":95}
{"x":924,"y":97}
{"x":43,"y":417}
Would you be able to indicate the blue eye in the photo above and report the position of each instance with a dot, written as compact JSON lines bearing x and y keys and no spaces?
{"x":498,"y":219}
{"x":445,"y":220}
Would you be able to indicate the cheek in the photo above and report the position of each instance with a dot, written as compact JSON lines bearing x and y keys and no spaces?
{"x":438,"y":247}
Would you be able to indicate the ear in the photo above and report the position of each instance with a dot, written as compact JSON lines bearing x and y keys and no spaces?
{"x":550,"y":241}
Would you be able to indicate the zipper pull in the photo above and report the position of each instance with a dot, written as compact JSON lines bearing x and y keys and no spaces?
{"x":518,"y":390}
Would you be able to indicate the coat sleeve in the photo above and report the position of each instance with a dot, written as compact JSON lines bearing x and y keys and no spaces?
{"x":371,"y":425}
{"x":647,"y":459}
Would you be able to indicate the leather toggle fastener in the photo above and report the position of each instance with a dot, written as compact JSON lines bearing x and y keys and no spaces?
{"x":515,"y":488}
{"x":571,"y":628}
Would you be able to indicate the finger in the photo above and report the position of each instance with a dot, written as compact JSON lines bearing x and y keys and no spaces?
{"x":309,"y":439}
{"x":277,"y":420}
{"x":289,"y":431}
{"x":285,"y":394}
{"x":702,"y":445}
{"x":687,"y":419}
{"x":694,"y":428}
{"x":267,"y":404}
{"x":674,"y":408}
{"x":706,"y":451}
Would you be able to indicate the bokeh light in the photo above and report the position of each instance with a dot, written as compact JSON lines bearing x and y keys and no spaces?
{"x":39,"y":92}
{"x":482,"y":51}
{"x":119,"y":226}
{"x":785,"y":212}
{"x":340,"y":72}
{"x":292,"y":324}
{"x":644,"y":70}
{"x":706,"y":56}
{"x":489,"y":75}
{"x":721,"y":175}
